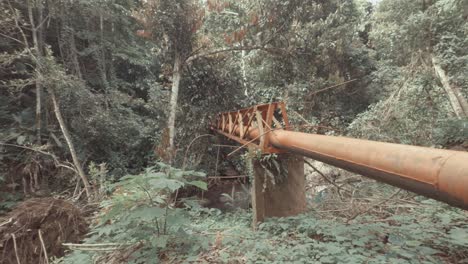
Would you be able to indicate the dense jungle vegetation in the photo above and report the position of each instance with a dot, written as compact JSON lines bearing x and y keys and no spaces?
{"x":105,"y":106}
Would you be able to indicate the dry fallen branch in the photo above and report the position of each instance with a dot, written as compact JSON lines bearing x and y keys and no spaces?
{"x":96,"y":247}
{"x":37,"y":228}
{"x":43,"y":246}
{"x":16,"y":248}
{"x":6,"y":222}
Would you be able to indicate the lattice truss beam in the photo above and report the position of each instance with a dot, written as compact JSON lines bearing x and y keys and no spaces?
{"x":264,"y":118}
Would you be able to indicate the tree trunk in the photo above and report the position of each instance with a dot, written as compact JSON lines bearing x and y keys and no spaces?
{"x":244,"y":71}
{"x":456,"y":98}
{"x":101,"y":61}
{"x":102,"y":55}
{"x":176,"y":76}
{"x":37,"y":52}
{"x":68,"y":139}
{"x":461,"y":100}
{"x":67,"y":43}
{"x":40,"y":31}
{"x":74,"y":56}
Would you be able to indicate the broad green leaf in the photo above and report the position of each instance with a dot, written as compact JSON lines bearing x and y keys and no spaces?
{"x":200,"y":184}
{"x":159,"y":241}
{"x":459,"y":236}
{"x":146,"y":213}
{"x":156,"y":175}
{"x":198,"y":174}
{"x":170,"y":184}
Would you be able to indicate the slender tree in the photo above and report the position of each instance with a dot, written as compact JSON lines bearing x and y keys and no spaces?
{"x":173,"y":22}
{"x":37,"y":45}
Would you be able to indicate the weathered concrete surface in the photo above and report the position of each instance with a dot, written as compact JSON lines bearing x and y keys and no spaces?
{"x":284,"y":198}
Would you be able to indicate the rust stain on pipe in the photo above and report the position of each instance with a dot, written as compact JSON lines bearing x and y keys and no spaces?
{"x":435,"y":173}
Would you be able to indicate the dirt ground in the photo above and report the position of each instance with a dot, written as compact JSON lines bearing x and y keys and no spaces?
{"x":38,"y":227}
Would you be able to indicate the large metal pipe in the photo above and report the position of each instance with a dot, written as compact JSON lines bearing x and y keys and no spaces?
{"x":435,"y":173}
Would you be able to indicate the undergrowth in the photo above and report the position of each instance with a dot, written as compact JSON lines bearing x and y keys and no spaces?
{"x":422,"y":237}
{"x":433,"y":234}
{"x":141,"y":221}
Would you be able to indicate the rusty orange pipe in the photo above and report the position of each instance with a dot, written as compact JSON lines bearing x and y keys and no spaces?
{"x":435,"y":173}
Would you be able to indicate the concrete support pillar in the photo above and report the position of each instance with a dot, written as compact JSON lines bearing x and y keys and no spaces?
{"x":285,"y":197}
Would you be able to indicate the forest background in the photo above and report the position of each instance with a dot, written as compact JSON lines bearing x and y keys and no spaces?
{"x":95,"y":91}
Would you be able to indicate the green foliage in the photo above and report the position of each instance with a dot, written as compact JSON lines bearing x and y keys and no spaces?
{"x":113,"y":90}
{"x":275,"y":171}
{"x":107,"y":80}
{"x":410,"y":106}
{"x":99,"y":177}
{"x":237,"y":199}
{"x":8,"y":200}
{"x":423,"y":236}
{"x":451,"y":131}
{"x":429,"y":233}
{"x":408,"y":115}
{"x":319,"y":47}
{"x":142,"y":211}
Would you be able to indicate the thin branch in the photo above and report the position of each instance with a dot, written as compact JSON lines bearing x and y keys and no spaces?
{"x":94,"y":245}
{"x":148,"y":194}
{"x":19,"y":27}
{"x":56,"y":161}
{"x":272,"y":130}
{"x":225,"y":146}
{"x":81,"y":193}
{"x":28,"y":148}
{"x":43,"y":21}
{"x":6,"y":222}
{"x":184,"y":163}
{"x":331,"y":87}
{"x":301,"y":117}
{"x":157,"y":226}
{"x":14,"y":39}
{"x":251,"y":141}
{"x":227,"y":177}
{"x":325,"y":177}
{"x":165,"y":219}
{"x":217,"y":160}
{"x":372,"y":206}
{"x":67,"y":167}
{"x":240,"y":48}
